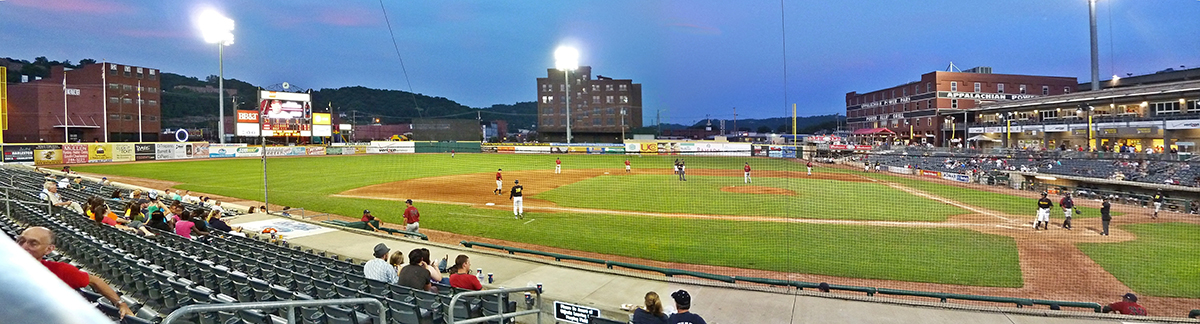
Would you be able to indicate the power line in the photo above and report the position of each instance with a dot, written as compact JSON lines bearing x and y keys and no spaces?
{"x":397,"y":48}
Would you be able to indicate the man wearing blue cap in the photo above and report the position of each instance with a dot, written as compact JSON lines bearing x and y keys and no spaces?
{"x":683,"y":302}
{"x":1128,"y":306}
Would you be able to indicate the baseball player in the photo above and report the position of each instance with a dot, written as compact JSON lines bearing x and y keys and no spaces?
{"x":867,"y":166}
{"x":677,"y":167}
{"x":627,"y":166}
{"x":1043,"y":212}
{"x":1068,"y":206}
{"x":1158,"y":202}
{"x":682,"y":170}
{"x":499,"y":182}
{"x":557,"y":166}
{"x":747,"y":170}
{"x":412,"y":217}
{"x":809,"y":165}
{"x":451,"y":154}
{"x":515,"y":196}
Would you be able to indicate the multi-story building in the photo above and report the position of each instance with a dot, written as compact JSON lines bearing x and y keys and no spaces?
{"x":597,"y":105}
{"x":100,"y":98}
{"x":914,"y":112}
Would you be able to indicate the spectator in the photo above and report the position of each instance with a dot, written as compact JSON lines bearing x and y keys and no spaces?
{"x":434,"y":274}
{"x":412,"y":217}
{"x":174,"y":195}
{"x":652,"y":314}
{"x":104,"y":182}
{"x":415,"y":275}
{"x":285,"y":210}
{"x":460,"y":274}
{"x":64,"y":183}
{"x":823,"y":287}
{"x":39,"y":241}
{"x":396,"y":260}
{"x":683,"y":302}
{"x":370,"y":220}
{"x":50,"y":194}
{"x":217,"y":206}
{"x":188,"y":198}
{"x":184,"y":226}
{"x":215,"y":222}
{"x":133,"y":212}
{"x":159,"y":221}
{"x":1128,"y":306}
{"x":252,"y":210}
{"x":378,"y":268}
{"x":116,"y":195}
{"x":1105,"y":215}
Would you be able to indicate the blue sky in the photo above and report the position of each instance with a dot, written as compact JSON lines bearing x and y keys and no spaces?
{"x":693,"y":58}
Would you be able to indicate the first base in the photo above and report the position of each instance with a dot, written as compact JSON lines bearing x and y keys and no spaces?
{"x":490,"y":204}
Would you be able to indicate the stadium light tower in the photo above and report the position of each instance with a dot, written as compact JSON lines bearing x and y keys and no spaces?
{"x":218,"y":29}
{"x":566,"y":58}
{"x":1095,"y":46}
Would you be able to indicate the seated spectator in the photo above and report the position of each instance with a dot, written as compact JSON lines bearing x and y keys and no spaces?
{"x":63,"y":183}
{"x":50,"y":194}
{"x":285,"y":210}
{"x":434,"y":274}
{"x":159,"y":221}
{"x":215,"y":222}
{"x":152,"y":194}
{"x":460,"y":274}
{"x":104,"y":182}
{"x":188,"y":198}
{"x":379,"y":268}
{"x":396,"y":260}
{"x":135,"y":194}
{"x":252,"y":210}
{"x":1128,"y":306}
{"x":217,"y":206}
{"x":415,"y":275}
{"x":116,"y":195}
{"x":185,"y":226}
{"x":652,"y":314}
{"x":134,"y":212}
{"x":683,"y":302}
{"x":39,"y":241}
{"x":174,"y":195}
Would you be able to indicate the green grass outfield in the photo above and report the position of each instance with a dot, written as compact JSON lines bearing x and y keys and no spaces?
{"x":816,"y":198}
{"x":907,"y":254}
{"x":1162,"y":261}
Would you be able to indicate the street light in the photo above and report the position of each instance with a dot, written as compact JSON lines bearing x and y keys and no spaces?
{"x":566,"y":59}
{"x":218,"y":29}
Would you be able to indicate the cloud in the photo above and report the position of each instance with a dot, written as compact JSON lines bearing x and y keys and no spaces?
{"x":74,"y":6}
{"x":695,"y":29}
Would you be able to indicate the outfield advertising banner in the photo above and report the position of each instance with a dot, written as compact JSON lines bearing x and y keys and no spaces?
{"x":285,"y":151}
{"x":333,"y":150}
{"x":47,"y":154}
{"x":98,"y":153}
{"x":248,"y":151}
{"x":144,"y":152}
{"x":200,"y":150}
{"x":956,"y":177}
{"x":223,"y":150}
{"x":75,"y":153}
{"x":388,"y":147}
{"x":123,"y":152}
{"x":931,"y":174}
{"x":900,"y":170}
{"x":172,"y":151}
{"x":314,"y":150}
{"x":18,"y":154}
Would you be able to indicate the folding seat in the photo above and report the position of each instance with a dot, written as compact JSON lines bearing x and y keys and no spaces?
{"x":261,"y":289}
{"x":303,"y":283}
{"x":310,"y":315}
{"x":428,"y":304}
{"x":251,"y":316}
{"x":324,"y":289}
{"x":462,"y":310}
{"x":495,"y":304}
{"x":402,"y":313}
{"x":377,"y":287}
{"x":339,"y":315}
{"x":224,"y":316}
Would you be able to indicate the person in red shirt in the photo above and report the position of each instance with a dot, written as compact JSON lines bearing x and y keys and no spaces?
{"x":39,"y":241}
{"x":747,"y":169}
{"x":499,"y":182}
{"x":411,"y":217}
{"x":626,"y":165}
{"x":460,"y":274}
{"x":371,"y":221}
{"x":557,"y":166}
{"x":1128,"y":306}
{"x":809,"y":165}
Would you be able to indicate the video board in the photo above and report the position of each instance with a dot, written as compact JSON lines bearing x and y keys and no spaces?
{"x":285,"y":113}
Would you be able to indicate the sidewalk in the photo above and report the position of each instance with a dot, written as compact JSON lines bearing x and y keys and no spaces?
{"x":606,"y":289}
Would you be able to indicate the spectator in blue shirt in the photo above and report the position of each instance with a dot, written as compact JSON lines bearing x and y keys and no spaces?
{"x":683,"y":302}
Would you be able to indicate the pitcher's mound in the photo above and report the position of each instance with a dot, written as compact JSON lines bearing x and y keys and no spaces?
{"x":759,"y":190}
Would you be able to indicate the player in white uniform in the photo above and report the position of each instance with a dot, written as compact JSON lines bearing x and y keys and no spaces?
{"x":557,"y":166}
{"x":517,"y":197}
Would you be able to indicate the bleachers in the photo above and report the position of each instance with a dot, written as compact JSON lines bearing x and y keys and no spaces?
{"x":164,"y":272}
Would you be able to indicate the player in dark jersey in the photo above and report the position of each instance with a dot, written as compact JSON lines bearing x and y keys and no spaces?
{"x":516,"y":196}
{"x":1158,"y":202}
{"x":1043,"y":212}
{"x":1068,"y":206}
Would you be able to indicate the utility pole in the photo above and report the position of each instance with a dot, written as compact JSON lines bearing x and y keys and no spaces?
{"x":735,"y":129}
{"x":658,"y":120}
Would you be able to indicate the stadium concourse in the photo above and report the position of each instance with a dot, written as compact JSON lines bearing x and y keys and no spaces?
{"x":158,"y":274}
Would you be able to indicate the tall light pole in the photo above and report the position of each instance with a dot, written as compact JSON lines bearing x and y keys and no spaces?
{"x":1095,"y":46}
{"x":622,"y":124}
{"x":1088,"y":110}
{"x":218,"y":29}
{"x":566,"y":59}
{"x":950,"y":120}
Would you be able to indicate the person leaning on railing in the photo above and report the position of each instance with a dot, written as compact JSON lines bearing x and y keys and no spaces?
{"x":39,"y":241}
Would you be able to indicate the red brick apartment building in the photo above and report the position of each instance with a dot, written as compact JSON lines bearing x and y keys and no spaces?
{"x":597,"y":104}
{"x":36,"y":110}
{"x":911,"y":110}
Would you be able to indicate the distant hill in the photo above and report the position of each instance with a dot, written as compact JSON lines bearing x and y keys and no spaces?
{"x":804,"y":125}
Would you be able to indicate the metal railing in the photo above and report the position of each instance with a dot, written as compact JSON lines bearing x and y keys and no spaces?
{"x":290,"y":305}
{"x":503,"y":306}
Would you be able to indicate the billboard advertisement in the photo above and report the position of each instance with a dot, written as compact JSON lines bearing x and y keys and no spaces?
{"x":143,"y":152}
{"x":286,"y":150}
{"x":248,"y":151}
{"x":285,"y":113}
{"x":99,"y":153}
{"x":223,"y":150}
{"x":47,"y":154}
{"x":956,"y":177}
{"x":200,"y":150}
{"x":385,"y":147}
{"x":123,"y":152}
{"x":75,"y":153}
{"x":18,"y":153}
{"x":172,"y":151}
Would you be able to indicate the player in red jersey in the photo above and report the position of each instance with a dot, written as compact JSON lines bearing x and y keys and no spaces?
{"x":557,"y":166}
{"x":626,"y":165}
{"x":747,"y":169}
{"x":499,"y":183}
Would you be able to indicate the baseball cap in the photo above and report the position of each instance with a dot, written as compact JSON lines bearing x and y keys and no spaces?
{"x":381,"y":250}
{"x":516,"y":181}
{"x":365,"y":211}
{"x":682,"y":299}
{"x":409,"y":201}
{"x":1131,"y":297}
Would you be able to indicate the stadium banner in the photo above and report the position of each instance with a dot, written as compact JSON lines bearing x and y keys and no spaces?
{"x":144,"y":152}
{"x":123,"y":152}
{"x":248,"y":130}
{"x":1056,"y":128}
{"x":314,"y":150}
{"x":931,"y":174}
{"x":993,"y":130}
{"x":286,"y":151}
{"x":200,"y":150}
{"x":172,"y":151}
{"x":333,"y":150}
{"x":18,"y":154}
{"x":1183,"y":124}
{"x":322,"y":130}
{"x":360,"y":149}
{"x":900,"y":170}
{"x":975,"y":130}
{"x":576,"y":314}
{"x":223,"y":150}
{"x":99,"y":153}
{"x":531,"y":149}
{"x":389,"y":147}
{"x":632,"y":148}
{"x":648,"y":148}
{"x":74,"y":153}
{"x":47,"y":154}
{"x":248,"y":151}
{"x":955,"y":177}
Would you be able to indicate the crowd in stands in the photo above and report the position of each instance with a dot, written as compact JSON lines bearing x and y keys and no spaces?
{"x":1127,"y":169}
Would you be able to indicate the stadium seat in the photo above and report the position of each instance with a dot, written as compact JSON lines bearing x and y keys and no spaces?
{"x":402,"y":313}
{"x":339,"y":315}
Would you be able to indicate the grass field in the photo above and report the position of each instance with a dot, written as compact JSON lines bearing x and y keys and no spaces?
{"x":703,"y":195}
{"x":907,"y":254}
{"x":1162,"y":261}
{"x":1007,"y":204}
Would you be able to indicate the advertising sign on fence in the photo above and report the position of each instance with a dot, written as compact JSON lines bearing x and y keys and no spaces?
{"x":123,"y":152}
{"x":200,"y":150}
{"x":314,"y":150}
{"x":47,"y":154}
{"x":386,"y":147}
{"x":249,"y":151}
{"x":956,"y":177}
{"x":144,"y":152}
{"x":931,"y":174}
{"x":900,"y":170}
{"x":18,"y":153}
{"x":75,"y":153}
{"x":99,"y":153}
{"x":285,"y":150}
{"x":223,"y":150}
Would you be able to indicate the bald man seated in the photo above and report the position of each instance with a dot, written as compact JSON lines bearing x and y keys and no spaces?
{"x":39,"y":241}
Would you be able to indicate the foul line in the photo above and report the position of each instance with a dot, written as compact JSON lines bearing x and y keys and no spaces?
{"x":943,"y":200}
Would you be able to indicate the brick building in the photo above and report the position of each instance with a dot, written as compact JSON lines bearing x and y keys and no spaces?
{"x":915,"y":111}
{"x":597,"y":104}
{"x":36,"y":109}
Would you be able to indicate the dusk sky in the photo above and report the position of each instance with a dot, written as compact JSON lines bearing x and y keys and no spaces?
{"x":693,"y":58}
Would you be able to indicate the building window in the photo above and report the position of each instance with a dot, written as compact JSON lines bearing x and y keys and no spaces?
{"x":596,"y":121}
{"x":140,"y":102}
{"x":127,"y":117}
{"x":610,"y":121}
{"x":127,"y":100}
{"x":623,"y":88}
{"x":595,"y":87}
{"x":1022,"y":89}
{"x":562,"y":121}
{"x":999,"y":88}
{"x":112,"y":70}
{"x":596,"y":99}
{"x":953,"y":85}
{"x":1045,"y":90}
{"x":608,"y":99}
{"x":904,"y":92}
{"x":153,"y":75}
{"x":114,"y":116}
{"x":624,"y":99}
{"x":1066,"y":89}
{"x":114,"y":86}
{"x":978,"y":87}
{"x":953,"y":103}
{"x":153,"y":103}
{"x":114,"y":100}
{"x":1048,"y":114}
{"x":152,"y":118}
{"x":1161,"y":108}
{"x":127,"y":71}
{"x":608,"y":87}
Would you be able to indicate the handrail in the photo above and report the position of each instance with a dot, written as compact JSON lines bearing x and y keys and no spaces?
{"x":289,"y":304}
{"x":502,"y":315}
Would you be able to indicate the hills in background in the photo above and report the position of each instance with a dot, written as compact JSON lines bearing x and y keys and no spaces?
{"x":185,"y":108}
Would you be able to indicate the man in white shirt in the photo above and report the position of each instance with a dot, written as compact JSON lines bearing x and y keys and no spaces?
{"x":50,"y":194}
{"x":217,"y":206}
{"x":378,"y":268}
{"x":63,"y":183}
